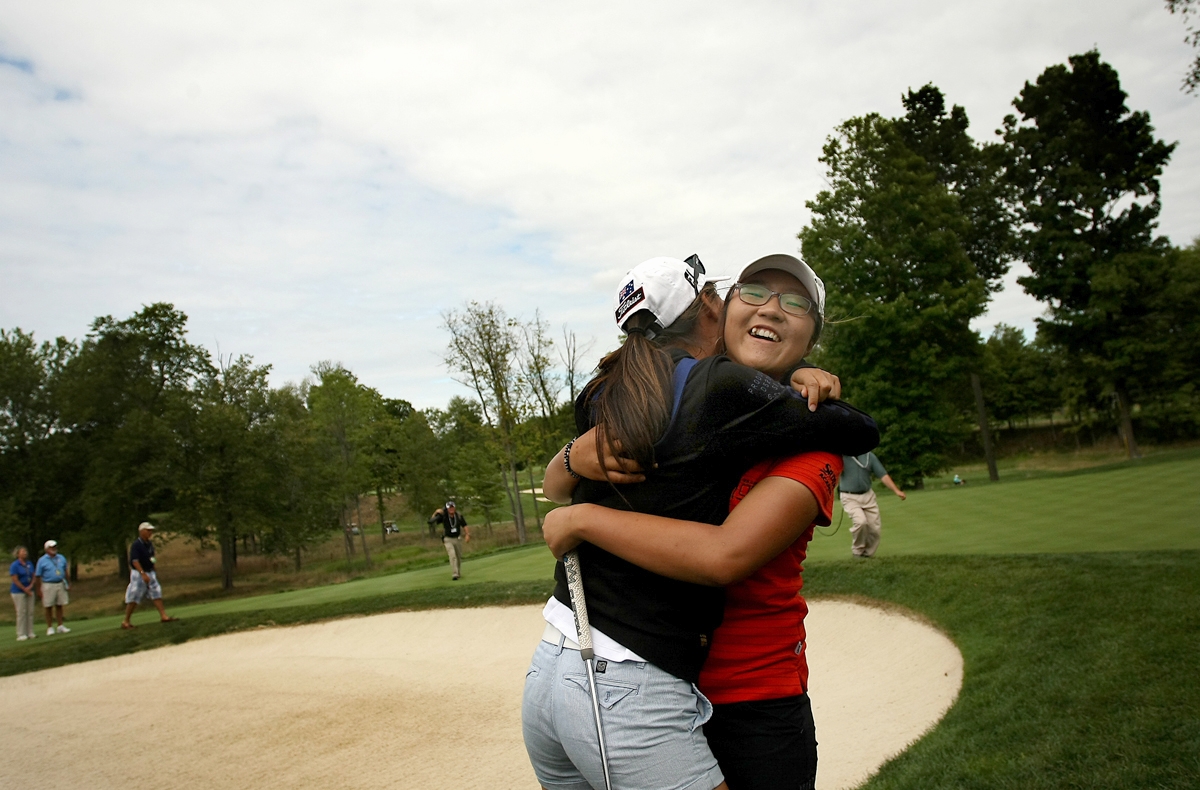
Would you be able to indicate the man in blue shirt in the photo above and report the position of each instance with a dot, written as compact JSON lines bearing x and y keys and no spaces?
{"x":143,"y":578}
{"x":51,"y":577}
{"x":858,"y":499}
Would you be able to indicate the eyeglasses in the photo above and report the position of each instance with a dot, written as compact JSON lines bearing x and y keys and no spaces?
{"x":758,"y":295}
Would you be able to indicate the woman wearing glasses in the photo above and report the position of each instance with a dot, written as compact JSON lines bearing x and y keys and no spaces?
{"x":716,"y":420}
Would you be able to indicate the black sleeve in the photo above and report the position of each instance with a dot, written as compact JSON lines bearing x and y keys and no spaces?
{"x":746,"y":414}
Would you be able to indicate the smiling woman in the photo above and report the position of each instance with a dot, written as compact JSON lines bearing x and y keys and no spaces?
{"x":772,"y":318}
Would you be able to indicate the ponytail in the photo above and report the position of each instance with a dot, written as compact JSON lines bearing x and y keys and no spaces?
{"x":631,"y":395}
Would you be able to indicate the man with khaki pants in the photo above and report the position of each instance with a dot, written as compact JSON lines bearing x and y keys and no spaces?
{"x":454,"y":534}
{"x":858,"y":500}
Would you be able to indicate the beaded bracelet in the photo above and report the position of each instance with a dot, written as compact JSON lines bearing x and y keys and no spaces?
{"x":567,"y":460}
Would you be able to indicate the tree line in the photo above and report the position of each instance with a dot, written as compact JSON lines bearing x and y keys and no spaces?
{"x":920,"y":223}
{"x":136,"y":423}
{"x":915,"y":232}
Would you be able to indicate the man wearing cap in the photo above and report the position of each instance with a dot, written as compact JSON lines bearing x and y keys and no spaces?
{"x":454,"y":534}
{"x":50,"y":576}
{"x":143,"y":580}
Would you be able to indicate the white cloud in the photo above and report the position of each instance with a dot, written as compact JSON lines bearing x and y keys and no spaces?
{"x":319,"y":180}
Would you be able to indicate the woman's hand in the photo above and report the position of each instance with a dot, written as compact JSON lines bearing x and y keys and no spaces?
{"x":559,"y":530}
{"x":612,"y":467}
{"x":816,"y":385}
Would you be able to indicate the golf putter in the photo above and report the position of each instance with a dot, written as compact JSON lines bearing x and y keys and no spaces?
{"x":583,"y":630}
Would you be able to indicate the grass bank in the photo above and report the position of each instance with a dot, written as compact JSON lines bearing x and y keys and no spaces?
{"x":1080,"y":670}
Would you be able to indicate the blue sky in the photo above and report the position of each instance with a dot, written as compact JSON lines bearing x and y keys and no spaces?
{"x":317,"y":181}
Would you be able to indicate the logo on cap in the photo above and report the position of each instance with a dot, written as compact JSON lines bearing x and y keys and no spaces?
{"x":630,"y":298}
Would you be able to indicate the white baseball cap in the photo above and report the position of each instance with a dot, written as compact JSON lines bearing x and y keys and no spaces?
{"x":50,"y":543}
{"x":795,"y":267}
{"x":664,"y":286}
{"x":146,"y":525}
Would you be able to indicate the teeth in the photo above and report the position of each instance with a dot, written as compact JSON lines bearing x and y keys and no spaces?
{"x":763,"y":332}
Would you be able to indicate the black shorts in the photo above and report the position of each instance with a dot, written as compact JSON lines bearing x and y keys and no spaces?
{"x":765,"y":745}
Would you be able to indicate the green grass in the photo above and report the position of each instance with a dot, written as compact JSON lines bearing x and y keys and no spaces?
{"x":1080,"y":670}
{"x":1129,"y":506}
{"x":1073,"y":596}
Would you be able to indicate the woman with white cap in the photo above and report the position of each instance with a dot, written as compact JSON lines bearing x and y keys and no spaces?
{"x":756,"y":674}
{"x":696,"y":421}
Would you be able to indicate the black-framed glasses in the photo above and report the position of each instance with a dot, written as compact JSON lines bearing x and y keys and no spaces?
{"x":759,"y":295}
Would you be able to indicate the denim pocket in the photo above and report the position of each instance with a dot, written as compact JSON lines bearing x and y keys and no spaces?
{"x":608,"y":692}
{"x":704,"y":709}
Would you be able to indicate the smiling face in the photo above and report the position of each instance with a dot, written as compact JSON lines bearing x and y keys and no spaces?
{"x":23,"y":554}
{"x":765,"y":337}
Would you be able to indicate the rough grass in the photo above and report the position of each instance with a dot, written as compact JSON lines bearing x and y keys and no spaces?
{"x":1080,"y":670}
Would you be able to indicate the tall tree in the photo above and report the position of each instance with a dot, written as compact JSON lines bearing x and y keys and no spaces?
{"x":308,"y":500}
{"x":39,"y":486}
{"x":891,"y":239}
{"x":225,"y":488}
{"x":126,"y":394}
{"x":344,"y":411}
{"x":1086,"y":172}
{"x":484,"y":350}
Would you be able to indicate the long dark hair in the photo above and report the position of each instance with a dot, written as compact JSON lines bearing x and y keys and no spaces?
{"x":631,"y":395}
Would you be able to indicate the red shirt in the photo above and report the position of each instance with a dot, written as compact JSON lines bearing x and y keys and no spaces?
{"x":758,"y":651}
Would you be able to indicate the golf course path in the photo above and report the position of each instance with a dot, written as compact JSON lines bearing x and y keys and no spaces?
{"x":425,"y":699}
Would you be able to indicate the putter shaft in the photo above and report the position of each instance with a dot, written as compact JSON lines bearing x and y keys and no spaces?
{"x":583,"y":630}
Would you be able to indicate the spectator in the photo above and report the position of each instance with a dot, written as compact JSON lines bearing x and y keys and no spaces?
{"x":454,"y":534}
{"x":21,"y":572}
{"x":51,"y":577}
{"x":143,"y":579}
{"x":858,"y":499}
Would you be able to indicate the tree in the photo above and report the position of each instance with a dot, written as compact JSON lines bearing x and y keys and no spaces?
{"x":225,"y":487}
{"x":1017,"y":376}
{"x":344,"y":412}
{"x":423,"y":466}
{"x":39,"y":479}
{"x":484,"y":350}
{"x":307,"y":498}
{"x":1086,"y":173}
{"x":126,"y":394}
{"x":570,"y":356}
{"x":1186,"y":8}
{"x":476,"y":469}
{"x":893,"y":241}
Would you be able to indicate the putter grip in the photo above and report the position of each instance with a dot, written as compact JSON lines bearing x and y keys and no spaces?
{"x":583,"y":628}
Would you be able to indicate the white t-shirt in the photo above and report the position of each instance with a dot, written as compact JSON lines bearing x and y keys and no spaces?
{"x":561,"y":617}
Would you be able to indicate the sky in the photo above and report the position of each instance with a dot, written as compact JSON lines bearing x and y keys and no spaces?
{"x":323,"y":180}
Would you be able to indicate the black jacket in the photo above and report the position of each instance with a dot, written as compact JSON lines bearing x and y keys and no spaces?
{"x":729,"y":418}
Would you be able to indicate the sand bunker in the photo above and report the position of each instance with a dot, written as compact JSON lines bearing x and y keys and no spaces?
{"x":408,"y":700}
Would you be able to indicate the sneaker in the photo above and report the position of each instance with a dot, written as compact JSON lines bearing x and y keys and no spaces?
{"x":453,"y":578}
{"x":22,"y":638}
{"x":50,"y":631}
{"x":62,"y":629}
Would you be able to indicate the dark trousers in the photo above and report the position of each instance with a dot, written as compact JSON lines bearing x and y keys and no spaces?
{"x":765,"y":745}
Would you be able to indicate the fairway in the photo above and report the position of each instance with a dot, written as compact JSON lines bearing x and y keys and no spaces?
{"x":1140,"y":507}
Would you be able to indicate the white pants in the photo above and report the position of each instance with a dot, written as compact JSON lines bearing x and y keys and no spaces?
{"x":24,"y":605}
{"x":864,"y":515}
